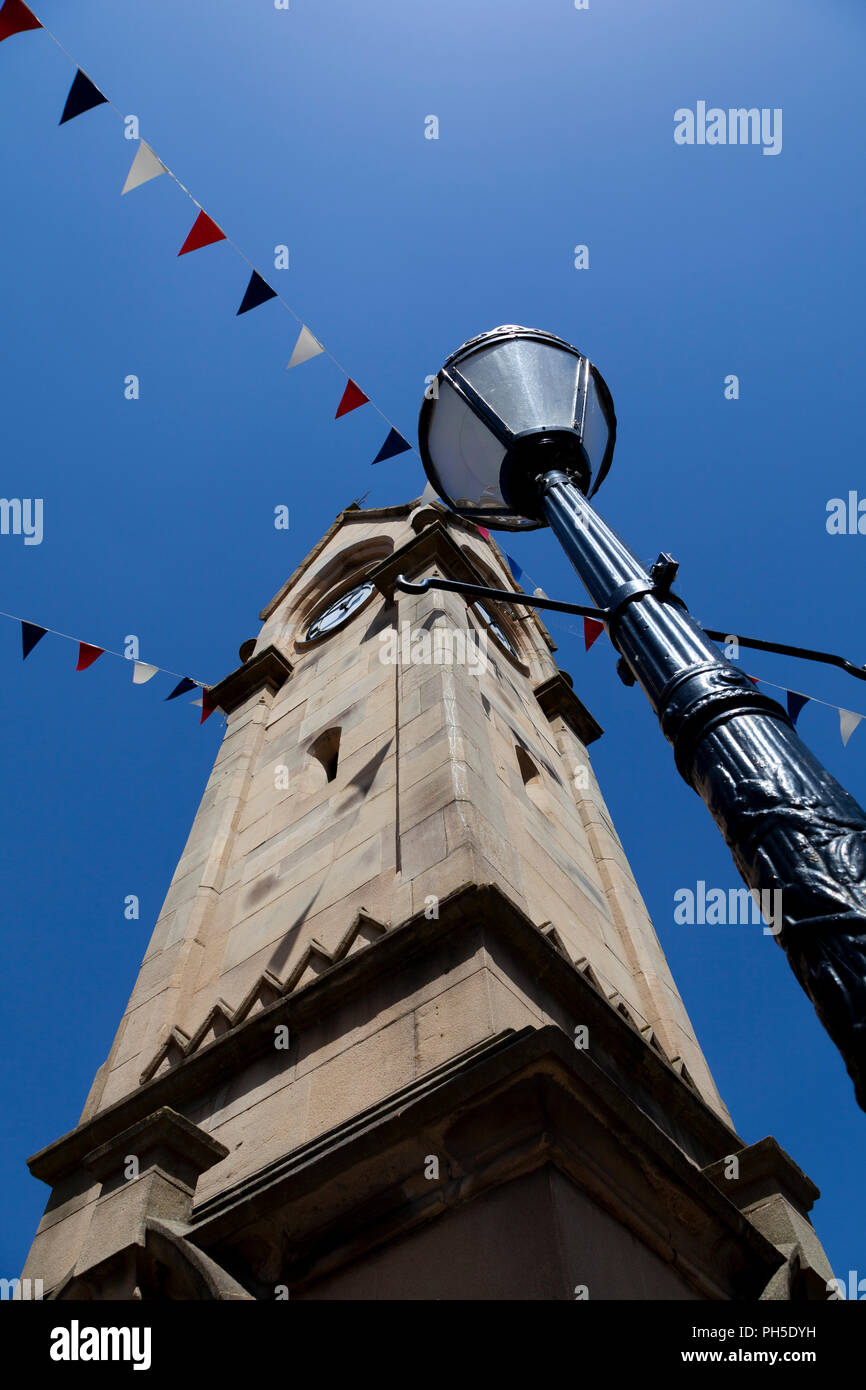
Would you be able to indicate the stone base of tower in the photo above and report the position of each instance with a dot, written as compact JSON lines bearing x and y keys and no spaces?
{"x":432,"y":1132}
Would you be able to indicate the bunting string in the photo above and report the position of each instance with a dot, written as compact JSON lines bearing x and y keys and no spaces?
{"x":795,"y":702}
{"x":15,"y":18}
{"x":88,"y":653}
{"x":144,"y":671}
{"x":794,"y":699}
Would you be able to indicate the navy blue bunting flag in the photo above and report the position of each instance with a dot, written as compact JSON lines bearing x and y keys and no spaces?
{"x":30,"y":635}
{"x":83,"y":96}
{"x":515,"y":568}
{"x":394,"y":444}
{"x":181,"y":688}
{"x":258,"y":292}
{"x":795,"y":703}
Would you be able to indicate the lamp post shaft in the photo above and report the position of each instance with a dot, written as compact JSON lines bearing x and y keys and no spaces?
{"x":791,"y":827}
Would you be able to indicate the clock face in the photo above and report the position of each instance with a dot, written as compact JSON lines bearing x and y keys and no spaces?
{"x":339,"y":612}
{"x":494,"y":627}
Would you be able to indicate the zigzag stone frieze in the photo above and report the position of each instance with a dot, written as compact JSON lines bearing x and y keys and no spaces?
{"x":316,"y":958}
{"x":267,"y":989}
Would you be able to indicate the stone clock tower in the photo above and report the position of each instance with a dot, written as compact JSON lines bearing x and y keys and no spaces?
{"x":404,"y":1029}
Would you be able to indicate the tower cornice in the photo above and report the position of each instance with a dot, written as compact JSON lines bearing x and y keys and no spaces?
{"x":269,"y":670}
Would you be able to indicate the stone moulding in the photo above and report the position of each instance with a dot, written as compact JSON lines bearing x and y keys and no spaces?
{"x":500,"y":1110}
{"x":434,"y":543}
{"x":164,"y":1139}
{"x":267,"y":989}
{"x":556,"y":697}
{"x":483,"y":908}
{"x":163,"y":1246}
{"x":269,"y":670}
{"x":351,"y":514}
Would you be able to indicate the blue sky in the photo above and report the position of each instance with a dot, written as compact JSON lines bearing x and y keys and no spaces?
{"x":306,"y":127}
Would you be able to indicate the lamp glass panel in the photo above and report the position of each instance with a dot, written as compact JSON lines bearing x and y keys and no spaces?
{"x":596,"y":430}
{"x":466,"y":455}
{"x":530,"y":385}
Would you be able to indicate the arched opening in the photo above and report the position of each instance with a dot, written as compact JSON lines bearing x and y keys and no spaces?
{"x":531,"y":779}
{"x":322,"y":760}
{"x":335,"y":577}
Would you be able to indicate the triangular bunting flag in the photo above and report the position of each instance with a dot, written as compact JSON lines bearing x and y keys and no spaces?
{"x":15,"y":18}
{"x":207,"y":706}
{"x":30,"y":632}
{"x":203,"y":232}
{"x":592,"y":630}
{"x":429,"y":494}
{"x":83,"y":96}
{"x":482,"y":531}
{"x":143,"y":672}
{"x":144,"y":167}
{"x":515,"y":568}
{"x":848,"y":722}
{"x":394,"y":444}
{"x":181,"y":688}
{"x":753,"y":679}
{"x":87,"y":655}
{"x":306,"y":347}
{"x":258,"y":292}
{"x":795,"y":703}
{"x":353,"y":396}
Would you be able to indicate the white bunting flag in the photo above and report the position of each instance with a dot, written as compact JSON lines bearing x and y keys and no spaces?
{"x":848,"y":722}
{"x":144,"y":167}
{"x":305,"y":348}
{"x":430,"y":494}
{"x":143,"y":672}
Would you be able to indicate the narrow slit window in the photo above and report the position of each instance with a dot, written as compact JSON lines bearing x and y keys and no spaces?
{"x":324,"y":758}
{"x":531,"y":779}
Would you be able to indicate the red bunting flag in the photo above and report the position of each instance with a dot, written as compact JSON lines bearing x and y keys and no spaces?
{"x":87,"y":655}
{"x":592,"y":630}
{"x":482,"y":531}
{"x":207,"y":705}
{"x":15,"y":18}
{"x":204,"y":232}
{"x":353,"y":396}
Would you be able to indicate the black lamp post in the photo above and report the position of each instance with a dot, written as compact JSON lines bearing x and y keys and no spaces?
{"x":519,"y":432}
